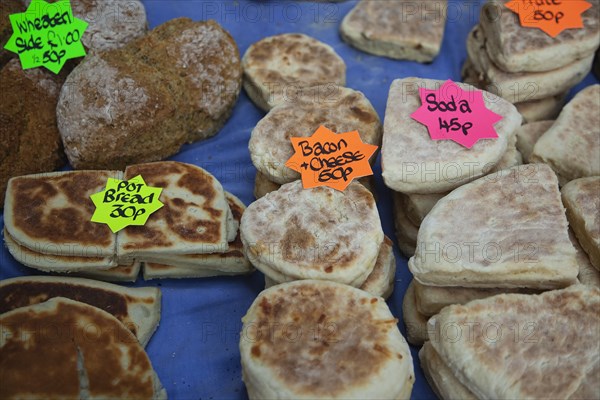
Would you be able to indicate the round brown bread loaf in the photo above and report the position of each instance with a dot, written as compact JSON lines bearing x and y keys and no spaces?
{"x":29,"y":138}
{"x":141,"y":102}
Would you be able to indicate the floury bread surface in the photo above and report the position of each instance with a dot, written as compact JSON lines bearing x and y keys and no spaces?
{"x":279,"y":67}
{"x":362,"y":356}
{"x":572,"y":144}
{"x":319,"y":233}
{"x":551,"y":351}
{"x":503,"y":230}
{"x":400,"y":29}
{"x":413,"y":163}
{"x":141,"y":102}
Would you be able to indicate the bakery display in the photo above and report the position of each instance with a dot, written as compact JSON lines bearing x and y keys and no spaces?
{"x":195,"y":350}
{"x":401,"y":29}
{"x":552,"y":350}
{"x":571,"y":146}
{"x":277,"y":69}
{"x":98,"y":356}
{"x":143,"y":101}
{"x":359,"y":352}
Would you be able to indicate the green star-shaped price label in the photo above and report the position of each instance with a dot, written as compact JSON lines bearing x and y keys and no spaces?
{"x":46,"y":35}
{"x":124,"y":203}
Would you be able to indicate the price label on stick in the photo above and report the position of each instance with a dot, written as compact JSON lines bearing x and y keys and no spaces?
{"x":46,"y":35}
{"x":551,"y":16}
{"x":125,"y":203}
{"x":452,"y":113}
{"x":331,"y":159}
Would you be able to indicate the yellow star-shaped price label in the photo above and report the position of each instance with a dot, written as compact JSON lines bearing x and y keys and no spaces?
{"x":123,"y":203}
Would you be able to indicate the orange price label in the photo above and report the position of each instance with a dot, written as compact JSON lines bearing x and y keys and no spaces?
{"x":331,"y":159}
{"x":551,"y":16}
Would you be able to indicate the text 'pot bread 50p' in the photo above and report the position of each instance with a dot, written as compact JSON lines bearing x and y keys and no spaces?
{"x":317,"y":339}
{"x":319,"y":233}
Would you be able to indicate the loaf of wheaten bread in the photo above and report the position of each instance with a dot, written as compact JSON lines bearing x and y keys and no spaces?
{"x":29,"y":137}
{"x":143,"y":101}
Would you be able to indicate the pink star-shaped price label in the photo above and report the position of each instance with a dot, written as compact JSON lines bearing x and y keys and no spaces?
{"x":451,"y":113}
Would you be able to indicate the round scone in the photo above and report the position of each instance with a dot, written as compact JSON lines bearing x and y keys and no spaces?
{"x":141,"y":102}
{"x":345,"y":110}
{"x":278,"y":67}
{"x":315,"y":339}
{"x":320,"y":233}
{"x":70,"y":350}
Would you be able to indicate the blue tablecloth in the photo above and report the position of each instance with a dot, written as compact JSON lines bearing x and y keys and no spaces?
{"x":195,"y":349}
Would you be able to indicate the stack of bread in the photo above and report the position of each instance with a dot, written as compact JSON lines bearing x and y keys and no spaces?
{"x":527,"y":66}
{"x":421,"y":171}
{"x":315,"y":339}
{"x":48,"y":225}
{"x":505,"y":232}
{"x":96,"y":332}
{"x":516,"y":346}
{"x":300,"y":82}
{"x":340,"y":110}
{"x":320,"y":233}
{"x":29,"y":134}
